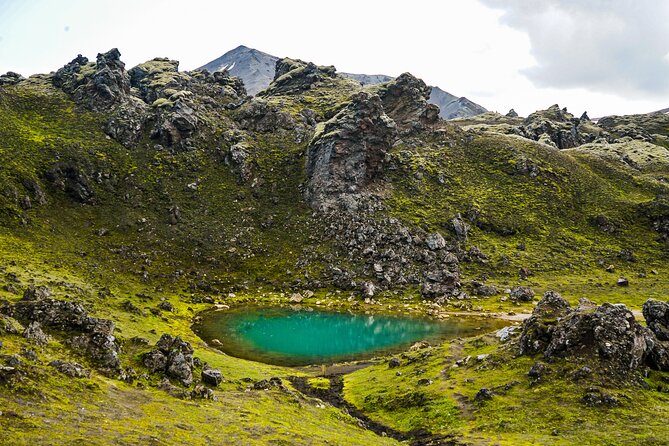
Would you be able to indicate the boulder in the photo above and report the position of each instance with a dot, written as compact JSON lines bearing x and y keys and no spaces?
{"x":173,"y":357}
{"x":210,"y":376}
{"x":435,"y":241}
{"x":656,"y":314}
{"x":34,"y":333}
{"x":71,"y":369}
{"x":521,"y":294}
{"x":606,"y":336}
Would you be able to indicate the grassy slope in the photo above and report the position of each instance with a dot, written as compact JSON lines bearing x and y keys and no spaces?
{"x":548,"y":412}
{"x":552,"y":214}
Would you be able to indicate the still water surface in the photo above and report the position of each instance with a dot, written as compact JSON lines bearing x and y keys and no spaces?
{"x":284,"y":336}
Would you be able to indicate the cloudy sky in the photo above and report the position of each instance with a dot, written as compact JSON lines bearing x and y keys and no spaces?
{"x":603,"y":56}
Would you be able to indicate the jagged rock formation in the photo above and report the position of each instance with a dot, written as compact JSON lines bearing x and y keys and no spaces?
{"x":607,"y":335}
{"x":557,"y":127}
{"x":100,"y":85}
{"x":293,"y":76}
{"x":89,"y":335}
{"x":348,"y":151}
{"x":160,"y":96}
{"x":10,"y":78}
{"x":640,"y":127}
{"x":405,"y":101}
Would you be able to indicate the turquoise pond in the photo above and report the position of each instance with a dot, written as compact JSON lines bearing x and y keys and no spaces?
{"x":284,"y":336}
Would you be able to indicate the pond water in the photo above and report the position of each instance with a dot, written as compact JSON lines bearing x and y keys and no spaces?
{"x":284,"y":336}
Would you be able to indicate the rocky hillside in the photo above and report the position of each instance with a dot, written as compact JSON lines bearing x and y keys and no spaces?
{"x":133,"y":199}
{"x":256,"y":70}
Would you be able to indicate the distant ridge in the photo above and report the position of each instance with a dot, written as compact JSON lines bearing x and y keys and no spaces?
{"x":256,"y":69}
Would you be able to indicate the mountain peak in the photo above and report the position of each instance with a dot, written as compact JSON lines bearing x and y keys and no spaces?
{"x":256,"y":69}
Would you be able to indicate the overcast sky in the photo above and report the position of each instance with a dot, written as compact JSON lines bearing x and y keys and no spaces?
{"x":603,"y":56}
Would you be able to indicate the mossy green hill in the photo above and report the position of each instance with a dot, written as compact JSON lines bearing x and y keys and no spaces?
{"x":121,"y":190}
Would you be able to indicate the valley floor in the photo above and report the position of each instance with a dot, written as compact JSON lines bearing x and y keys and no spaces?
{"x":427,"y":394}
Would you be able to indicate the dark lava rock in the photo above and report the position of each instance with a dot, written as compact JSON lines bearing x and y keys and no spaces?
{"x":292,"y":76}
{"x":71,"y":369}
{"x":99,"y":86}
{"x":610,"y":333}
{"x":483,"y":395}
{"x":180,"y":366}
{"x":10,"y":78}
{"x":173,"y":357}
{"x":34,"y":333}
{"x":481,"y":289}
{"x":394,"y":362}
{"x":213,"y":377}
{"x":582,"y":373}
{"x":71,"y":179}
{"x":622,"y":281}
{"x":348,"y":153}
{"x":127,"y":121}
{"x":266,"y":384}
{"x":166,"y":306}
{"x":36,"y":293}
{"x":155,"y":361}
{"x":260,"y":116}
{"x":89,"y":335}
{"x":405,"y":101}
{"x":521,"y":294}
{"x":537,"y":370}
{"x":424,"y":382}
{"x":512,"y":114}
{"x":538,"y":328}
{"x":607,"y":336}
{"x":598,"y":399}
{"x":656,"y":314}
{"x":203,"y":393}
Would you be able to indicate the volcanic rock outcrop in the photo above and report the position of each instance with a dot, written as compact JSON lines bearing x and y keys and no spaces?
{"x":607,"y":336}
{"x":348,"y":151}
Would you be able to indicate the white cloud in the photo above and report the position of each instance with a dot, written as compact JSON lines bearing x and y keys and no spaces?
{"x":609,"y":46}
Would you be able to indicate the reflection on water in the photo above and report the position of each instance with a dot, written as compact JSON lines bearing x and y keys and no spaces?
{"x":287,"y":337}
